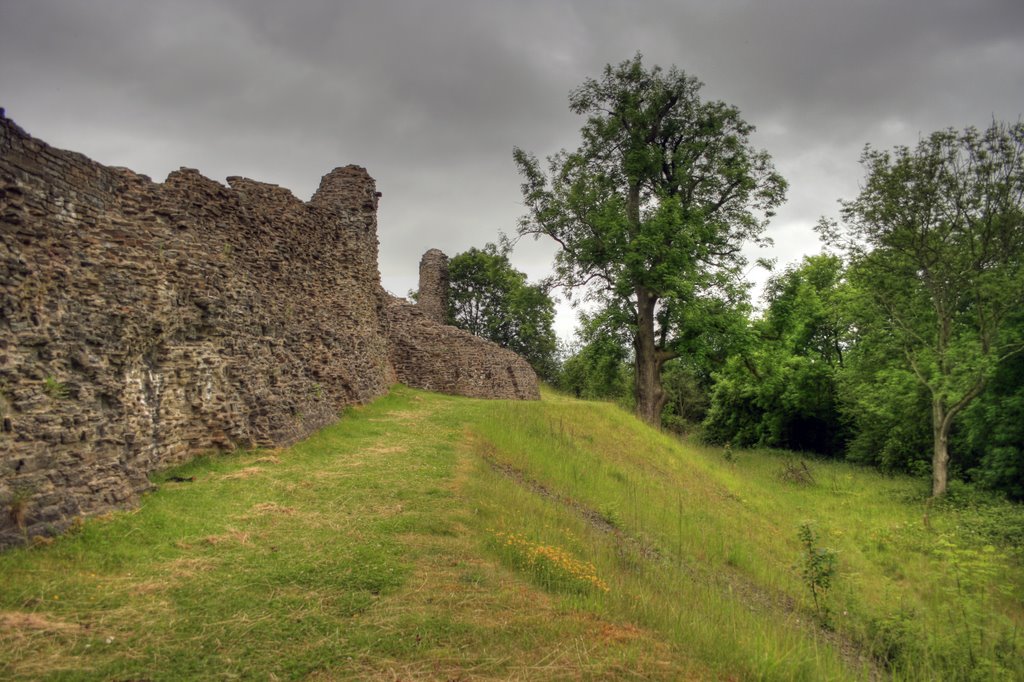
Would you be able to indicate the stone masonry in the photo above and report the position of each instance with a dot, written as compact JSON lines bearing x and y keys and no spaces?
{"x":433,"y":290}
{"x":142,"y":323}
{"x":429,"y":354}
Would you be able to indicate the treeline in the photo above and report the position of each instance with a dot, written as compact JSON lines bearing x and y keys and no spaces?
{"x":900,"y":346}
{"x":817,"y":370}
{"x":815,"y":373}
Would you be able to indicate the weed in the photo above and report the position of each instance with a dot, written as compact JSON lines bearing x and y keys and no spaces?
{"x":796,"y":472}
{"x":818,"y":570}
{"x":891,"y":638}
{"x":56,"y":390}
{"x":970,"y":593}
{"x":17,"y":506}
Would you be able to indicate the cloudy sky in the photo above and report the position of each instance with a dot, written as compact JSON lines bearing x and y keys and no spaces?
{"x":431,"y":96}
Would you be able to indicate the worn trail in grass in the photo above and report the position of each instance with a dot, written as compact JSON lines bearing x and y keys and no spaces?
{"x":431,"y":537}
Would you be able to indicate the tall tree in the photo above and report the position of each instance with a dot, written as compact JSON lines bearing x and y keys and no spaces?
{"x":937,"y":238}
{"x":490,"y":298}
{"x":651,"y":211}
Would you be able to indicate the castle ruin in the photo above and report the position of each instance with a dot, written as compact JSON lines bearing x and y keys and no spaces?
{"x":143,"y":323}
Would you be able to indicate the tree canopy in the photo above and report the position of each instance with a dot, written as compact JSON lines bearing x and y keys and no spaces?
{"x":780,"y":390}
{"x":936,"y":239}
{"x":490,"y":298}
{"x":651,"y":211}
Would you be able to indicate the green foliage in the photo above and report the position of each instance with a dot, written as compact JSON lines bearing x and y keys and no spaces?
{"x":780,"y":389}
{"x":490,"y":298}
{"x":993,"y":431}
{"x":598,"y":368}
{"x":936,"y":240}
{"x":893,"y":637}
{"x":817,"y":570}
{"x":970,"y":593}
{"x":55,"y":389}
{"x":18,"y":504}
{"x":651,"y":210}
{"x":982,"y":517}
{"x":887,"y":409}
{"x":686,"y":390}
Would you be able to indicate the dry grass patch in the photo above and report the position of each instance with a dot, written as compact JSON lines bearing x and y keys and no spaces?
{"x":18,"y":621}
{"x":37,"y":645}
{"x":247,"y":472}
{"x":403,"y":417}
{"x":239,"y":536}
{"x":188,"y":567}
{"x":153,"y":586}
{"x":265,"y":508}
{"x":385,"y":449}
{"x":332,"y":475}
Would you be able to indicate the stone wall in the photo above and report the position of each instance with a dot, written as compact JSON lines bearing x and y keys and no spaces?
{"x":440,"y":358}
{"x":430,"y":355}
{"x":142,"y":323}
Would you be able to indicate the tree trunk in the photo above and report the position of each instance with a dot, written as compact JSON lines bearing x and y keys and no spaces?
{"x":941,"y":421}
{"x":650,"y":398}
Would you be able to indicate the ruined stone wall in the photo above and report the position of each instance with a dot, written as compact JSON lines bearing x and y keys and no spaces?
{"x":142,"y":323}
{"x":428,"y":354}
{"x":438,"y":357}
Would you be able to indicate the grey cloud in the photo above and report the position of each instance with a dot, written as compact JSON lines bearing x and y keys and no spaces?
{"x":431,"y":96}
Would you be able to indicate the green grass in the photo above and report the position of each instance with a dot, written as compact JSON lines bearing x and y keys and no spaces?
{"x":431,"y":537}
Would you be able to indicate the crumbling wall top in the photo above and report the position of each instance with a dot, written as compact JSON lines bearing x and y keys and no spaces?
{"x":349,"y":188}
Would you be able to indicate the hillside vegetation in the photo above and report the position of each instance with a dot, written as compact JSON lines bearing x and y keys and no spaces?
{"x":433,"y":537}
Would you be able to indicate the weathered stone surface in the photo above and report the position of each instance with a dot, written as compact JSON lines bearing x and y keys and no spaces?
{"x":437,"y":357}
{"x":142,"y":323}
{"x":432,"y":296}
{"x":430,"y":355}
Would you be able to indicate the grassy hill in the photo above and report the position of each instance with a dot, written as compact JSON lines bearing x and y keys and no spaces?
{"x":432,"y":537}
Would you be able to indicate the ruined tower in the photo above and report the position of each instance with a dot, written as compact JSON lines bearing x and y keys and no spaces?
{"x":433,"y":293}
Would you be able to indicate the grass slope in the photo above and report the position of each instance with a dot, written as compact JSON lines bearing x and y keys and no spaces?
{"x":432,"y":537}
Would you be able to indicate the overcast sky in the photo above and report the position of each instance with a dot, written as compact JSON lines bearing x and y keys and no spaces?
{"x":431,"y":96}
